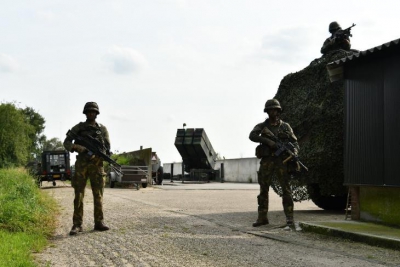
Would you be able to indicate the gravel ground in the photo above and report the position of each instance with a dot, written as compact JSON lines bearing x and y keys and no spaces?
{"x":162,"y":227}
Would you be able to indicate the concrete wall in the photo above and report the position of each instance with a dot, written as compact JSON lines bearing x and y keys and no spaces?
{"x":177,"y":168}
{"x":380,"y":204}
{"x":243,"y":170}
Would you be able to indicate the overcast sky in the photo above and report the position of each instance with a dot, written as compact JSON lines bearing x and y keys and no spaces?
{"x":153,"y":65}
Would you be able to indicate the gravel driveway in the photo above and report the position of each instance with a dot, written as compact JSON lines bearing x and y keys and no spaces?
{"x":198,"y":225}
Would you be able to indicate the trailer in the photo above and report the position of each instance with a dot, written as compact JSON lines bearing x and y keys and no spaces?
{"x":137,"y":175}
{"x":140,"y":167}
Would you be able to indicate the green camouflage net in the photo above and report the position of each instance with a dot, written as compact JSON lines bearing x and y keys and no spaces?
{"x":314,"y":107}
{"x":299,"y":190}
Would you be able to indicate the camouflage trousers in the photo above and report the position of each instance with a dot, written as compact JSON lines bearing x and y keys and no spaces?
{"x":269,"y":166}
{"x":94,"y":171}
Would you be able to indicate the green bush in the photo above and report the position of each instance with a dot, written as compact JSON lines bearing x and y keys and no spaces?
{"x":15,"y":132}
{"x":27,"y":217}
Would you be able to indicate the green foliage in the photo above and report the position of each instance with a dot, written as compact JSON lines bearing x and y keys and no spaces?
{"x":34,"y":119}
{"x":16,"y":248}
{"x":20,"y":134}
{"x":37,"y":121}
{"x":52,"y":144}
{"x":23,"y":207}
{"x":15,"y":132}
{"x":129,"y":159}
{"x":27,"y":218}
{"x":122,"y":159}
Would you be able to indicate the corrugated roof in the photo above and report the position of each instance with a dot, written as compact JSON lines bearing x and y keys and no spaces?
{"x":335,"y":68}
{"x":366,"y":52}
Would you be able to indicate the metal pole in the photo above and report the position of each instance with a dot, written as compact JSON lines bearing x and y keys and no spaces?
{"x":222,"y":173}
{"x":172,"y":172}
{"x":183,"y":171}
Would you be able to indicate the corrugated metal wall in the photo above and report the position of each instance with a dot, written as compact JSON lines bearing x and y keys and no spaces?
{"x":392,"y":120}
{"x":372,"y":96}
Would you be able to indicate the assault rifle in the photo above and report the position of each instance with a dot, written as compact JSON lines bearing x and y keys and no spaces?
{"x":95,"y":148}
{"x":344,"y":34}
{"x":287,"y":147}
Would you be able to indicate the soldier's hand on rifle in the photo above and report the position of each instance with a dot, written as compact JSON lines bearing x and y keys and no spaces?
{"x":270,"y":143}
{"x":78,"y":148}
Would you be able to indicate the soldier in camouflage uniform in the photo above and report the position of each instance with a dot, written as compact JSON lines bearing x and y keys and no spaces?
{"x":332,"y":43}
{"x":271,"y":164}
{"x":88,"y":167}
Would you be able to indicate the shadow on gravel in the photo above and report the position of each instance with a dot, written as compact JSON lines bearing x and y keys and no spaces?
{"x":276,"y":218}
{"x":55,"y":187}
{"x":66,"y":234}
{"x":238,"y":221}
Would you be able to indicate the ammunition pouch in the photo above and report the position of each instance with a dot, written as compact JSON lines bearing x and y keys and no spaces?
{"x":263,"y":151}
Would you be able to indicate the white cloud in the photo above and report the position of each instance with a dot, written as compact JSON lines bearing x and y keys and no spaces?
{"x":8,"y":63}
{"x":46,"y":15}
{"x":125,"y":60}
{"x":276,"y":46}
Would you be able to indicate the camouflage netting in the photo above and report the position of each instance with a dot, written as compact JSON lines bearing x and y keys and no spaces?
{"x":314,"y":107}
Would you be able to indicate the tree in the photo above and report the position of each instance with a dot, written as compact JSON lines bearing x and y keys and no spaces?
{"x":37,"y":121}
{"x":15,"y":133}
{"x":52,"y":144}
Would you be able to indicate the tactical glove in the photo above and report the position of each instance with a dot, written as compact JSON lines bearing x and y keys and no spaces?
{"x":78,"y":148}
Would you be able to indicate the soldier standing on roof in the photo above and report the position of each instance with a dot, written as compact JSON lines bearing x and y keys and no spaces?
{"x":333,"y":43}
{"x":271,"y":164}
{"x":88,"y":167}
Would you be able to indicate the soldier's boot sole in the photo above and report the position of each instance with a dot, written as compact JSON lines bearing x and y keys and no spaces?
{"x":75,"y":230}
{"x":260,"y":223}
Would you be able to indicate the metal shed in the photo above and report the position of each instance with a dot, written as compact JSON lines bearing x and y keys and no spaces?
{"x":372,"y":130}
{"x":372,"y":114}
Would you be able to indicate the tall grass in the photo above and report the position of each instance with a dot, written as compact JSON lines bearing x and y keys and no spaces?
{"x":27,"y":218}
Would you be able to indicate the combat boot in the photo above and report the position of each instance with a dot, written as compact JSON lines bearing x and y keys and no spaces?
{"x":262,"y":219}
{"x":289,"y":223}
{"x":75,"y":229}
{"x":101,"y":227}
{"x":289,"y":220}
{"x":260,"y":222}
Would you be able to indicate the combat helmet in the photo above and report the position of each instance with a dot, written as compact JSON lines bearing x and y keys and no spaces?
{"x":333,"y":26}
{"x":272,"y":104}
{"x":91,"y":106}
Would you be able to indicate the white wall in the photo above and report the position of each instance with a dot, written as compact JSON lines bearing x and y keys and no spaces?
{"x":177,"y":168}
{"x":236,"y":170}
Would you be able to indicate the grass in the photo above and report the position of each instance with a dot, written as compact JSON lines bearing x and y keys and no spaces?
{"x":27,"y":218}
{"x":365,"y":227}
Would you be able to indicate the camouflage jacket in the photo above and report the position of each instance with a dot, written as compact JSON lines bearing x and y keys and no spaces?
{"x":282,"y":131}
{"x":330,"y":45}
{"x":83,"y":129}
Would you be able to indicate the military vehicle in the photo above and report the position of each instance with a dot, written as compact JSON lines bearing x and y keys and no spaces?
{"x":197,"y":153}
{"x":54,"y":165}
{"x":314,"y":107}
